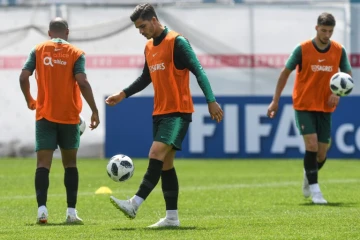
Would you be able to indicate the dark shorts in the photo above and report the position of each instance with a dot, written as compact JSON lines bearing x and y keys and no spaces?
{"x":170,"y":130}
{"x":309,"y":122}
{"x":49,"y":135}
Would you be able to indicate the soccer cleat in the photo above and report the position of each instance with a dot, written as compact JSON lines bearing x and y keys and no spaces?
{"x":317,"y":198}
{"x":42,"y":215}
{"x":72,"y":217}
{"x":306,"y":187}
{"x":125,"y":206}
{"x":164,"y":222}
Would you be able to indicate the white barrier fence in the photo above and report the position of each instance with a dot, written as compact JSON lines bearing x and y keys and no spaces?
{"x":242,"y":54}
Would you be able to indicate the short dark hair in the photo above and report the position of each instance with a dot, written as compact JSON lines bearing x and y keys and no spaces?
{"x":326,"y":19}
{"x":144,"y":11}
{"x":58,"y":25}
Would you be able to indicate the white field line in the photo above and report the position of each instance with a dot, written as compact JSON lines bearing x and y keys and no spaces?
{"x":199,"y":188}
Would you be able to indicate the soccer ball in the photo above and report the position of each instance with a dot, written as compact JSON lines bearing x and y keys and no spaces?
{"x":120,"y":168}
{"x":341,"y":84}
{"x":82,"y":125}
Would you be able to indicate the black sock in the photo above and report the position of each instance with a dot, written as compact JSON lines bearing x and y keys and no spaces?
{"x":321,"y":164}
{"x":170,"y":188}
{"x":41,"y":185}
{"x":71,"y":182}
{"x":311,"y":167}
{"x":151,"y":178}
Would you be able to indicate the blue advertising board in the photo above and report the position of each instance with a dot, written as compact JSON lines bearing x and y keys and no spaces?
{"x":246,"y":131}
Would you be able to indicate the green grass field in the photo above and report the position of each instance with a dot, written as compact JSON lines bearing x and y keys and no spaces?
{"x":223,"y":199}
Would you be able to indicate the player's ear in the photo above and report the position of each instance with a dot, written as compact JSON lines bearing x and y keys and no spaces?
{"x":49,"y":34}
{"x":67,"y":32}
{"x":316,"y":27}
{"x":153,"y":20}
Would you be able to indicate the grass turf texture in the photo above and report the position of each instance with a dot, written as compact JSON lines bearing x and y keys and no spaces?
{"x":219,"y":199}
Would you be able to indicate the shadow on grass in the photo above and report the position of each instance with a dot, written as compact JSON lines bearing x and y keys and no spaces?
{"x":331,"y":204}
{"x":57,"y":224}
{"x":160,"y":229}
{"x":174,"y":228}
{"x":124,"y":229}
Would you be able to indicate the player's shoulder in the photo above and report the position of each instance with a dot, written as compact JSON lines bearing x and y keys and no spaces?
{"x":180,"y":40}
{"x":337,"y":44}
{"x":305,"y":43}
{"x":77,"y":49}
{"x":180,"y":37}
{"x":69,"y":45}
{"x":173,"y":33}
{"x":297,"y":47}
{"x":73,"y":49}
{"x":43,"y":44}
{"x":149,"y":43}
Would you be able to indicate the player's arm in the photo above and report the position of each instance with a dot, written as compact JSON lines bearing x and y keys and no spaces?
{"x":25,"y":74}
{"x":86,"y":90}
{"x":185,"y":57}
{"x":294,"y":60}
{"x":345,"y":63}
{"x":138,"y":85}
{"x":290,"y":65}
{"x":81,"y":79}
{"x":344,"y":67}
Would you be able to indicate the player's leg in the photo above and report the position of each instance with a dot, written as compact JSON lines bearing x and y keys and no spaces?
{"x":324,"y":137}
{"x":323,"y":128}
{"x":159,"y":149}
{"x":157,"y":154}
{"x":169,"y":180}
{"x":307,"y":123}
{"x":69,"y":142}
{"x":46,"y":136}
{"x":310,"y":165}
{"x":170,"y":188}
{"x":322,"y":153}
{"x":166,"y":132}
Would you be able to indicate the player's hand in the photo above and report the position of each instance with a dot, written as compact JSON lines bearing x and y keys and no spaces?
{"x":272,"y":109}
{"x":215,"y":111}
{"x":94,"y":120}
{"x":333,"y":100}
{"x":31,"y":104}
{"x":115,"y":99}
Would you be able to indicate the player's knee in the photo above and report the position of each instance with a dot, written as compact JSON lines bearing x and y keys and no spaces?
{"x":44,"y":158}
{"x":321,"y":156}
{"x":69,"y":163}
{"x":43,"y":164}
{"x":158,"y":151}
{"x":311,"y":146}
{"x":154,"y":154}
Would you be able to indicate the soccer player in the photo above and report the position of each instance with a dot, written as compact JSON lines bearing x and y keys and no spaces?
{"x":315,"y":60}
{"x":169,"y":59}
{"x":60,"y":73}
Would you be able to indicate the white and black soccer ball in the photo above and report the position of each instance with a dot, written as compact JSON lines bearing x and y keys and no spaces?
{"x":341,"y":84}
{"x":82,"y":125}
{"x":120,"y":168}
